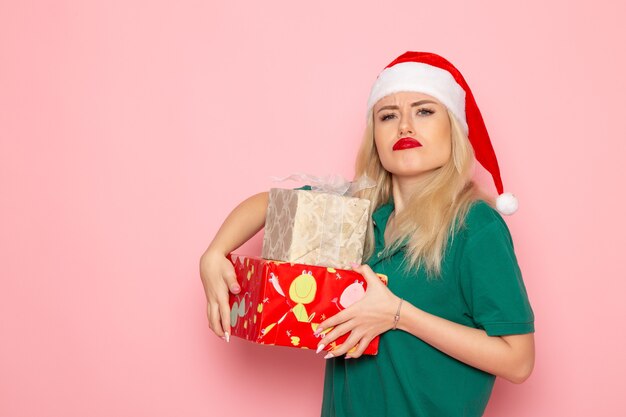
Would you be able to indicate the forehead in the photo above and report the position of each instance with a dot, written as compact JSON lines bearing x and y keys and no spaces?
{"x":403,"y":97}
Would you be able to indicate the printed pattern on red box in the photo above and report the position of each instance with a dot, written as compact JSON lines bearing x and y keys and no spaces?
{"x":282,"y":303}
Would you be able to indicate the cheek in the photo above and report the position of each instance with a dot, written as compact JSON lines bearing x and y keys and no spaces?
{"x":383,"y":135}
{"x":445,"y":154}
{"x":443,"y":148}
{"x":443,"y":134}
{"x":381,"y":148}
{"x":381,"y":153}
{"x":378,"y":142}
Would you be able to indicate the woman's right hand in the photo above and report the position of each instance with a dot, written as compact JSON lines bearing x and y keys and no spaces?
{"x":217,"y":272}
{"x":218,"y":277}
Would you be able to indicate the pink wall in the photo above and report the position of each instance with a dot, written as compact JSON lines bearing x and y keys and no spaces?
{"x":130,"y":129}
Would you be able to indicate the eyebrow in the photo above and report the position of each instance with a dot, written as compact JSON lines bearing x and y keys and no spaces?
{"x":417,"y":103}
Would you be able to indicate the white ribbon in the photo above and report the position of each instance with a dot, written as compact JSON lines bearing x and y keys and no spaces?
{"x":332,"y":184}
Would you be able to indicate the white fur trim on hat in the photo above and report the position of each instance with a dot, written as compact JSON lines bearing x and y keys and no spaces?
{"x":506,"y":203}
{"x":421,"y":78}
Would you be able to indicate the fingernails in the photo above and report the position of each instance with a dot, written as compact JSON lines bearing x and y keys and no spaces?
{"x":319,"y":348}
{"x":354,"y":265}
{"x":235,"y":288}
{"x":348,"y":357}
{"x":226,"y":336}
{"x":317,"y":332}
{"x":330,"y":355}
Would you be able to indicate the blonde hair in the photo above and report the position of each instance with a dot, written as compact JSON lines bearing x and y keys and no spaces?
{"x":437,"y":208}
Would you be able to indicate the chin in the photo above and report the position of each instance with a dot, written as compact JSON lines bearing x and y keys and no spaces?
{"x":411,"y":172}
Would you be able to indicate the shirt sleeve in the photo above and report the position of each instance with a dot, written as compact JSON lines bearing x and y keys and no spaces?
{"x":492,"y":284}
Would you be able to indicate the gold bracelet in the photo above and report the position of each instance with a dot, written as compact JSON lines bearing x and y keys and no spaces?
{"x":397,"y":316}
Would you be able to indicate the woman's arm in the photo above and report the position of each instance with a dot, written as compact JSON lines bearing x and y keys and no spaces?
{"x":510,"y":357}
{"x":217,"y":273}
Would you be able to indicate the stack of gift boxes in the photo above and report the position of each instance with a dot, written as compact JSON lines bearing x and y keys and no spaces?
{"x":303,"y":276}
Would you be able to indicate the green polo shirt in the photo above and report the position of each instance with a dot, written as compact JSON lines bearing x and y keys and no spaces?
{"x":481,"y":286}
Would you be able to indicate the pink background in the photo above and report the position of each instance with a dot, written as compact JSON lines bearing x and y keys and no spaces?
{"x":130,"y":129}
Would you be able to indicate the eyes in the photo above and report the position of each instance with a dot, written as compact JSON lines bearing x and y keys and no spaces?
{"x":424,"y":112}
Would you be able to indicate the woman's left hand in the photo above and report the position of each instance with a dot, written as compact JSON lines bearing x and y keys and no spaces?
{"x":364,"y":320}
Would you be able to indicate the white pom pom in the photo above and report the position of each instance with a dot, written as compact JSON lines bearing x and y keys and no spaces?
{"x":506,"y":203}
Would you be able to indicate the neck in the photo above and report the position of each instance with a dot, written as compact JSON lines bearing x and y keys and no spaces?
{"x":403,"y":188}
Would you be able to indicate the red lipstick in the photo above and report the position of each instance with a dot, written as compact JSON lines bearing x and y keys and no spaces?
{"x":406,"y":143}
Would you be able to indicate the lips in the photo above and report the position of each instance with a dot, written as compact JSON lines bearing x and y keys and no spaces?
{"x":406,"y":143}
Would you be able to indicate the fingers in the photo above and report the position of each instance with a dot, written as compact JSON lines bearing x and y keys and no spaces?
{"x":218,"y":314}
{"x":231,"y":278}
{"x":359,"y":348}
{"x":217,"y":273}
{"x":214,"y":319}
{"x":345,"y":347}
{"x":338,"y":318}
{"x":208,"y":316}
{"x":367,"y":273}
{"x":224,"y":310}
{"x":336,"y":332}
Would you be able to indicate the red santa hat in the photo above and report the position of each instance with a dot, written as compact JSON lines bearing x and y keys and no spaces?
{"x":429,"y":73}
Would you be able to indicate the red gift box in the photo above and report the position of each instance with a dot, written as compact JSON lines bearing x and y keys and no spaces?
{"x":282,"y":303}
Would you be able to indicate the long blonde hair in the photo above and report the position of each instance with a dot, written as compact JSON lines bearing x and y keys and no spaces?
{"x":437,"y":208}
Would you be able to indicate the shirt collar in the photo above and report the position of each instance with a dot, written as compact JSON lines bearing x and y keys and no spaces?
{"x":379,"y":219}
{"x":382,"y":213}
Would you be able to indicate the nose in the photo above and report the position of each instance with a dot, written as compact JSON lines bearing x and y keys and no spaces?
{"x":405,"y":127}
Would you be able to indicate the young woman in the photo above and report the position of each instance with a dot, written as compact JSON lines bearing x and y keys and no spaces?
{"x":455,"y":313}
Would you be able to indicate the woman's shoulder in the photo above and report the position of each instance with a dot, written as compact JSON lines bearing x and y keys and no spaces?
{"x":482,"y":210}
{"x":481,"y":215}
